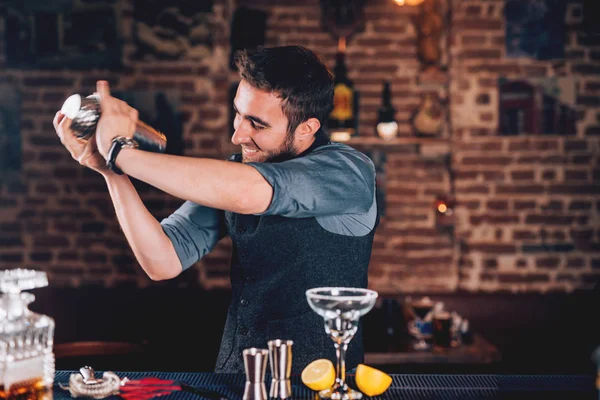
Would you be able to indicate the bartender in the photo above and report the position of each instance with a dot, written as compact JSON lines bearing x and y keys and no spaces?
{"x":299,"y":209}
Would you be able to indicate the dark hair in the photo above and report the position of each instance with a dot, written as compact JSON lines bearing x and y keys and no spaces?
{"x":296,"y":74}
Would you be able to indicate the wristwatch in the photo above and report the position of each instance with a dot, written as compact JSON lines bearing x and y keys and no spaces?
{"x":118,"y":143}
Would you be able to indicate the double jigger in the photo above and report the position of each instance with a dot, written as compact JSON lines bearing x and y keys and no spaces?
{"x":279,"y":355}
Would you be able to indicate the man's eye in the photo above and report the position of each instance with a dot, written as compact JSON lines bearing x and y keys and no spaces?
{"x":257,"y":127}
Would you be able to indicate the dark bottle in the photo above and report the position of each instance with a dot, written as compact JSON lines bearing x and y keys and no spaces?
{"x":387,"y":127}
{"x":343,"y":120}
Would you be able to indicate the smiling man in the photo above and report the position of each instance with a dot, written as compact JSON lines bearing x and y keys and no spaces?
{"x":300,"y":210}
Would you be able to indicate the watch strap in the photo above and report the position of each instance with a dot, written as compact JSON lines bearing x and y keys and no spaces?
{"x":118,"y":143}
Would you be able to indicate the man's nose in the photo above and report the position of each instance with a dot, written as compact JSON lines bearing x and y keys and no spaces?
{"x":241,"y":134}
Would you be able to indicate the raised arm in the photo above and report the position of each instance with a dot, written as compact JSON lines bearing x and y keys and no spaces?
{"x":214,"y":183}
{"x":151,"y":246}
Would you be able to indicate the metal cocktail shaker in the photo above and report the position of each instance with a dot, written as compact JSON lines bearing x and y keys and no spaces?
{"x":85,"y":113}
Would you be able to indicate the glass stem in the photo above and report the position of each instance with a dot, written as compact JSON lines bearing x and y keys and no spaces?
{"x":340,"y":351}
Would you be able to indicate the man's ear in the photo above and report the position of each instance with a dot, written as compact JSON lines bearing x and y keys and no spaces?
{"x":307,"y":129}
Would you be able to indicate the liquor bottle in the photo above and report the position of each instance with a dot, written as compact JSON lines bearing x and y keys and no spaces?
{"x":343,"y":120}
{"x":26,"y":338}
{"x":387,"y":127}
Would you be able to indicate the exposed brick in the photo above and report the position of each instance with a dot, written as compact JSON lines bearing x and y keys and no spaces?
{"x":580,"y":205}
{"x":482,"y":99}
{"x":515,"y":189}
{"x":575,"y":145}
{"x":574,"y":189}
{"x":582,"y":235}
{"x":40,"y":256}
{"x":585,"y":69}
{"x":549,"y":219}
{"x":523,"y":278}
{"x":522,"y":175}
{"x":500,"y":181}
{"x":553,"y":205}
{"x":473,"y":40}
{"x":547,"y":248}
{"x":549,"y":175}
{"x":10,"y":241}
{"x":497,"y":204}
{"x":500,"y":161}
{"x":480,"y":54}
{"x":10,"y":227}
{"x":473,"y":10}
{"x":494,"y":248}
{"x":493,"y":175}
{"x":590,"y":101}
{"x":94,"y":257}
{"x":534,"y":70}
{"x":575,"y":263}
{"x":591,"y":278}
{"x":67,"y":256}
{"x":563,"y":277}
{"x":524,"y":235}
{"x":478,"y":24}
{"x":11,"y":257}
{"x":48,"y":82}
{"x":550,"y":263}
{"x":50,"y":241}
{"x":576,"y":175}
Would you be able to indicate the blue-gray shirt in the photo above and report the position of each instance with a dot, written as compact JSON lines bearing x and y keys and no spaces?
{"x":334,"y":184}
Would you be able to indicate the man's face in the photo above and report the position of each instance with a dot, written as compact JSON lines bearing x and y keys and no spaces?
{"x":260,"y":125}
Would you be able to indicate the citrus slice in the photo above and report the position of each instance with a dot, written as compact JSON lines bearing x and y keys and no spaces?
{"x":319,"y":374}
{"x":371,"y":381}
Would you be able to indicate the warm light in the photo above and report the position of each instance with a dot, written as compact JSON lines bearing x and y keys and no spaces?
{"x":387,"y":130}
{"x":408,"y":2}
{"x":442,"y":208}
{"x":341,"y":135}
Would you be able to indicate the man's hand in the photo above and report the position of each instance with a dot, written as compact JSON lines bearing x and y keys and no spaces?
{"x":84,"y":151}
{"x":117,"y":119}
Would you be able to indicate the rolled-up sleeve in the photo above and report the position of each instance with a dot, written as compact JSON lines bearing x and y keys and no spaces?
{"x":334,"y":179}
{"x":194,"y":230}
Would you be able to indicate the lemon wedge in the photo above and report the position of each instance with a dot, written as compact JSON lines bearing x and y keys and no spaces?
{"x":371,"y":381}
{"x":319,"y":374}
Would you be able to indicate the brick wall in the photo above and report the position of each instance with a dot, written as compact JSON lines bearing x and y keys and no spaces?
{"x":526,"y":215}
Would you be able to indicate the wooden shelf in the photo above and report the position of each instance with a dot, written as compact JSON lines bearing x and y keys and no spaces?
{"x":424,"y":145}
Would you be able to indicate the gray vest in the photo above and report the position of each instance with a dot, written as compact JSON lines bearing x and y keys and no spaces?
{"x":274,"y":261}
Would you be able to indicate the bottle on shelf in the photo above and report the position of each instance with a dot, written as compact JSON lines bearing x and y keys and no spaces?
{"x":343,"y":120}
{"x":387,"y":127}
{"x":26,"y":338}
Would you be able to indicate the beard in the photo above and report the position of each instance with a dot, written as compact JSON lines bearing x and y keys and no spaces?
{"x":285,"y":152}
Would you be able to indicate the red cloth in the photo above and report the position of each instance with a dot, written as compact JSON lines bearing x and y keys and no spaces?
{"x":147,"y":388}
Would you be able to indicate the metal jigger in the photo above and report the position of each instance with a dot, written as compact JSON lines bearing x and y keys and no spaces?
{"x":85,"y":112}
{"x":280,"y":360}
{"x":255,"y":365}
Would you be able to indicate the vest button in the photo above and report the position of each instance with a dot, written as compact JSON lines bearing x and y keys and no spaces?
{"x":244,"y":302}
{"x":241,"y":229}
{"x":243,"y":330}
{"x":250,"y":279}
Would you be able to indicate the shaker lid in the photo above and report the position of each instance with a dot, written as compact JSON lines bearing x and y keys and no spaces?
{"x":71,"y":106}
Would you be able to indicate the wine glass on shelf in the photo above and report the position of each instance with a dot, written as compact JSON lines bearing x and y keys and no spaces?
{"x":341,"y":309}
{"x":418,"y":326}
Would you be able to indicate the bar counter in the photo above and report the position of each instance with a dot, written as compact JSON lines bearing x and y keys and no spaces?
{"x":404,"y":386}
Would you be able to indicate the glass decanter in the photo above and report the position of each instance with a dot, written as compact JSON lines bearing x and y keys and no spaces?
{"x":26,"y":338}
